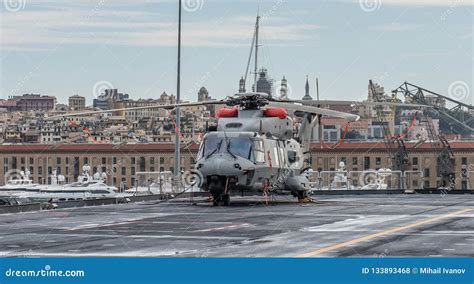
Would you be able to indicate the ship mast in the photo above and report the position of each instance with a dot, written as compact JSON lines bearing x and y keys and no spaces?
{"x":256,"y":53}
{"x":177,"y":156}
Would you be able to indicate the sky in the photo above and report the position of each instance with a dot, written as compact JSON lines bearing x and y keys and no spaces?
{"x":66,"y":47}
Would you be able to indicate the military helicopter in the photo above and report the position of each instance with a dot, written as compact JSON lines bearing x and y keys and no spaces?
{"x":255,"y":146}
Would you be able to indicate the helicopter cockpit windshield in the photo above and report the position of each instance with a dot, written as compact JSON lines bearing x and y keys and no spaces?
{"x":245,"y":147}
{"x":241,"y":147}
{"x":210,"y":146}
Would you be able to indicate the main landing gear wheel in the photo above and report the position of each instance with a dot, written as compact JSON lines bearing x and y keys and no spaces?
{"x":303,"y":197}
{"x":226,"y":199}
{"x":215,"y":201}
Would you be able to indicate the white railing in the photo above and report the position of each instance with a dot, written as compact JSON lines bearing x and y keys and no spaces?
{"x":364,"y":180}
{"x":470,"y":180}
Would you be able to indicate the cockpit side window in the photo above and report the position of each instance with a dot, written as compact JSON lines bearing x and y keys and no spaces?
{"x":292,"y":157}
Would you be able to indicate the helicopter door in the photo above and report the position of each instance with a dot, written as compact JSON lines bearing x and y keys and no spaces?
{"x":281,"y":158}
{"x":275,"y":161}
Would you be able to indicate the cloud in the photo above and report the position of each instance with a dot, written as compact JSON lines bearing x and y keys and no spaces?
{"x":397,"y":27}
{"x":442,"y":3}
{"x":92,"y":22}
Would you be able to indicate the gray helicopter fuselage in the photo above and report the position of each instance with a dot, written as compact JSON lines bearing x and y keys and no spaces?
{"x":251,"y":152}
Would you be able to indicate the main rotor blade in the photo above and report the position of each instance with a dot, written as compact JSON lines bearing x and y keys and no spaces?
{"x":408,"y":105}
{"x":170,"y":107}
{"x":316,"y":110}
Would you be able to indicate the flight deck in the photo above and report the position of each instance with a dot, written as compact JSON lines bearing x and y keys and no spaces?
{"x":333,"y":226}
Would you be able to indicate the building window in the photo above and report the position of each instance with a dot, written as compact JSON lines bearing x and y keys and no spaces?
{"x":132,"y":160}
{"x":124,"y":171}
{"x":464,"y":161}
{"x":133,"y":170}
{"x":378,"y":161}
{"x":366,"y":163}
{"x":152,"y":160}
{"x":86,"y":161}
{"x":58,"y":161}
{"x":22,"y":160}
{"x":32,"y":161}
{"x":162,"y":160}
{"x":152,"y":169}
{"x":426,"y":184}
{"x":104,"y":160}
{"x":355,"y":161}
{"x":114,"y":160}
{"x":415,"y":161}
{"x":427,"y":172}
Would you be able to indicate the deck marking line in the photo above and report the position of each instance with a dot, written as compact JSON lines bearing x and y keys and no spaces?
{"x":383,"y":233}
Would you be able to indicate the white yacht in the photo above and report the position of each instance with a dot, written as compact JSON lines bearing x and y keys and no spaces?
{"x":87,"y":187}
{"x":21,"y":183}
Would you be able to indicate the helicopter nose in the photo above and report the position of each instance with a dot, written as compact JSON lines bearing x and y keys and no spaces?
{"x":222,"y":164}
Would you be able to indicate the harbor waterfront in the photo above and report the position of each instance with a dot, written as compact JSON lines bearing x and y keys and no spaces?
{"x":121,"y":162}
{"x":256,"y":141}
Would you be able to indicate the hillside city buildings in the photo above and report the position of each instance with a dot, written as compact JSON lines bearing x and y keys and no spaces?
{"x":125,"y":142}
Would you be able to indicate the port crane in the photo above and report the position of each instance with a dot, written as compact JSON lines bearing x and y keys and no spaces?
{"x":457,"y":119}
{"x":394,"y":144}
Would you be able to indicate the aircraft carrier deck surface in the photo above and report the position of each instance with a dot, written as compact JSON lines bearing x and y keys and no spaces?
{"x":362,"y":225}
